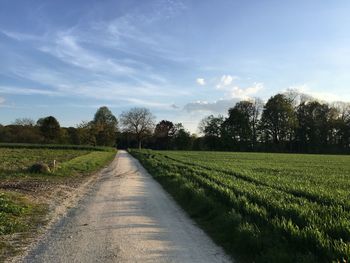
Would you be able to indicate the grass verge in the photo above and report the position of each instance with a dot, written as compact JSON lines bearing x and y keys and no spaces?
{"x":22,"y":209}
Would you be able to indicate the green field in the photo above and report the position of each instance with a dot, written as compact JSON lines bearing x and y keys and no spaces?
{"x":262,"y":207}
{"x":20,"y":212}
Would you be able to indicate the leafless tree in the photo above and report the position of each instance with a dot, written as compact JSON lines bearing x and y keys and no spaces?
{"x":138,"y":121}
{"x":24,"y":122}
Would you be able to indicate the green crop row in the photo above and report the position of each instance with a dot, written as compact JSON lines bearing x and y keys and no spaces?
{"x":257,"y":215}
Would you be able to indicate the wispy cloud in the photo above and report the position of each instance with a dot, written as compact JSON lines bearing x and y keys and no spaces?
{"x":200,"y":81}
{"x":103,"y":59}
{"x":67,"y":49}
{"x":216,"y":107}
{"x":20,"y":36}
{"x":13,"y":90}
{"x":319,"y":95}
{"x":2,"y":101}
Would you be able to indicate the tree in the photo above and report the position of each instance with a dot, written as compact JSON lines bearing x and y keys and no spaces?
{"x":316,"y":125}
{"x":50,"y":128}
{"x":87,"y":133}
{"x":241,"y":125}
{"x":278,"y":119}
{"x":73,"y":136}
{"x":211,"y":127}
{"x":238,"y":123}
{"x":182,"y":139}
{"x":106,"y":127}
{"x":342,"y":124}
{"x":24,"y":122}
{"x":163,"y":133}
{"x":138,"y":121}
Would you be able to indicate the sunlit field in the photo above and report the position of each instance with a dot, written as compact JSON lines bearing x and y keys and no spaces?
{"x":262,"y":206}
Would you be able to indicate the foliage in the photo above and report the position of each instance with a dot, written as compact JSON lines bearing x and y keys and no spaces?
{"x":39,"y":168}
{"x":278,"y":119}
{"x":106,"y":126}
{"x":100,"y":131}
{"x":163,"y":134}
{"x":138,"y":121}
{"x":263,"y":207}
{"x":50,"y":128}
{"x":289,"y":122}
{"x":182,"y":138}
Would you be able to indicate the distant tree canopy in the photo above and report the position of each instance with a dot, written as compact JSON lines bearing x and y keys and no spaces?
{"x":289,"y":122}
{"x":278,"y":119}
{"x":163,"y":134}
{"x":50,"y":128}
{"x":102,"y":130}
{"x":106,"y":127}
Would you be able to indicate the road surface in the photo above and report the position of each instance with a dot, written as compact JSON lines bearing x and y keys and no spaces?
{"x":126,"y":217}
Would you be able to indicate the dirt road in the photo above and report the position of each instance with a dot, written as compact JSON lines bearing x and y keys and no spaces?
{"x":126,"y":217}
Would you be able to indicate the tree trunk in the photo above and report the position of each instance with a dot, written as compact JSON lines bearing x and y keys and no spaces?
{"x":140,"y":145}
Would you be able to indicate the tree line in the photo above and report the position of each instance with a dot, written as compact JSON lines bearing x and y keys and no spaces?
{"x":289,"y":122}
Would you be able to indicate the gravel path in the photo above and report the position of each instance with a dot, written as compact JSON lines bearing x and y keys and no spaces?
{"x":126,"y":217}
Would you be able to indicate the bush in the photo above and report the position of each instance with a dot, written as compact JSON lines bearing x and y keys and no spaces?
{"x":39,"y":168}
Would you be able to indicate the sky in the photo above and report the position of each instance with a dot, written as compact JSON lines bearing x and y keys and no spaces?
{"x":181,"y":59}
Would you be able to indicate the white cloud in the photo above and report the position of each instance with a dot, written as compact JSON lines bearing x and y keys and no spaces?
{"x":245,"y":93}
{"x":226,"y":80}
{"x":217,"y":107}
{"x":2,"y":100}
{"x":200,"y":81}
{"x":319,"y":95}
{"x":226,"y":84}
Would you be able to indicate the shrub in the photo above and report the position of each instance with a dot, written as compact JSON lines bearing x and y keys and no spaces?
{"x":39,"y":168}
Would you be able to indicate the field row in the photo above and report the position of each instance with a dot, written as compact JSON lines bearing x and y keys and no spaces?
{"x":264,"y":207}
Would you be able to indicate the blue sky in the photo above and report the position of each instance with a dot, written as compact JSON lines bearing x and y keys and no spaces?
{"x":181,"y":59}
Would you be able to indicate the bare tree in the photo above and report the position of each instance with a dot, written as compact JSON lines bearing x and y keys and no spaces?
{"x":138,"y":121}
{"x":24,"y":122}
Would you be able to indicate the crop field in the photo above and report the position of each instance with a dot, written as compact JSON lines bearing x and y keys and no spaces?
{"x":20,"y":190}
{"x":262,"y":207}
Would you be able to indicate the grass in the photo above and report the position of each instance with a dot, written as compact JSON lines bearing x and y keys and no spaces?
{"x":14,"y":162}
{"x":262,"y":207}
{"x":20,"y":214}
{"x":55,"y":147}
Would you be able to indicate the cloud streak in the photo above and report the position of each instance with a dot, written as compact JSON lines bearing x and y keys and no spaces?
{"x":101,"y":59}
{"x":216,"y":107}
{"x":323,"y":96}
